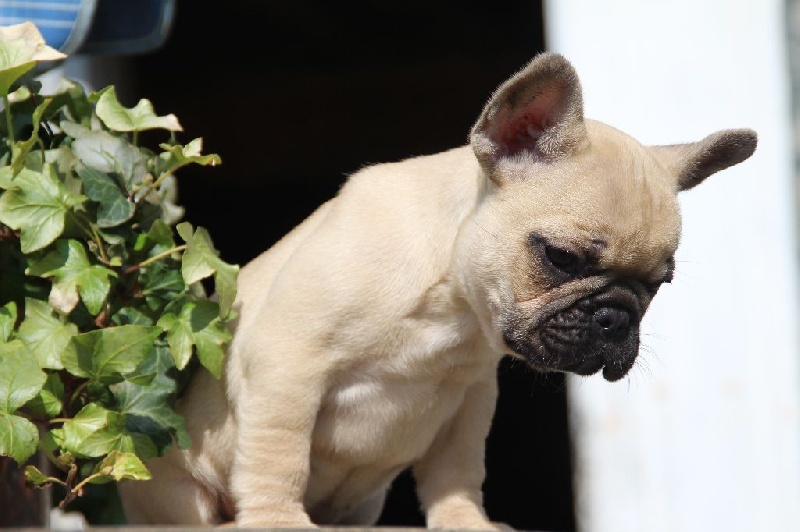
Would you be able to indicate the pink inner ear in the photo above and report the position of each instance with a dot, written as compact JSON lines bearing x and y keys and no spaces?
{"x":523,"y":128}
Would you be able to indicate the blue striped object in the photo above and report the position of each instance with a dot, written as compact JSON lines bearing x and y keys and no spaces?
{"x":64,"y":23}
{"x":95,"y":26}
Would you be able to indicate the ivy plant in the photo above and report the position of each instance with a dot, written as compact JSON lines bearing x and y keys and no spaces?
{"x":104,"y":309}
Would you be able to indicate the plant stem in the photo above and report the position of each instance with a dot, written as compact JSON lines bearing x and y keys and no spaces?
{"x":9,"y":122}
{"x":79,"y":486}
{"x":155,"y":184}
{"x":77,"y":392}
{"x":86,"y":225}
{"x":155,"y":258}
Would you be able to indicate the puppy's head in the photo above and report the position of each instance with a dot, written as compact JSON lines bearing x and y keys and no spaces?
{"x":579,"y":223}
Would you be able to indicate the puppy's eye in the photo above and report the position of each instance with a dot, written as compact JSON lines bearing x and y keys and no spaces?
{"x":564,"y":260}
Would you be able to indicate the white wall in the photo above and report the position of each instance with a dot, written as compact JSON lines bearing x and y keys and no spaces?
{"x":704,"y":435}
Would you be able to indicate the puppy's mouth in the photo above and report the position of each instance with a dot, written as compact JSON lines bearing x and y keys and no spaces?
{"x":597,"y":332}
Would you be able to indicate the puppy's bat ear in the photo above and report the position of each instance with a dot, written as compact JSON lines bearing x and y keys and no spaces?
{"x":538,"y":113}
{"x":694,"y":162}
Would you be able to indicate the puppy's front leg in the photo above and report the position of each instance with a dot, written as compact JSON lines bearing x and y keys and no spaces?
{"x":450,"y":475}
{"x":277,"y":408}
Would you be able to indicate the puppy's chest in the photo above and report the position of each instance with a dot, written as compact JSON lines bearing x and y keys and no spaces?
{"x":389,"y":410}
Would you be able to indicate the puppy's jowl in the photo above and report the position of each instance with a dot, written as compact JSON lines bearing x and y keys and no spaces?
{"x":368,"y":337}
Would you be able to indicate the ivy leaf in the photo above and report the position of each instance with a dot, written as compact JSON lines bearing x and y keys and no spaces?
{"x":106,"y":153}
{"x":131,"y":316}
{"x":161,"y":284}
{"x":176,"y":156}
{"x":18,"y":437}
{"x":148,"y":408}
{"x":120,"y":466}
{"x":201,"y":260}
{"x":37,"y":204}
{"x":6,"y":175}
{"x":20,"y":381}
{"x":198,"y":325}
{"x":48,"y":402}
{"x":73,"y":276}
{"x":157,"y":239}
{"x":21,"y":149}
{"x":96,"y":431}
{"x":75,"y":431}
{"x":8,"y":317}
{"x":140,"y":118}
{"x":21,"y":47}
{"x":34,"y":477}
{"x":115,"y":208}
{"x":21,"y":377}
{"x":104,"y":355}
{"x":116,"y":437}
{"x":44,"y":334}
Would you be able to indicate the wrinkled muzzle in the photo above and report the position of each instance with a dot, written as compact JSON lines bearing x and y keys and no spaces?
{"x":597,"y":332}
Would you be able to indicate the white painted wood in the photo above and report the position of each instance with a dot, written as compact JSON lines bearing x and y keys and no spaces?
{"x":705,"y":433}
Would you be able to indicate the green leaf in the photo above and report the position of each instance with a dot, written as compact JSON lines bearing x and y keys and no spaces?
{"x":21,"y":47}
{"x":21,"y":377}
{"x":8,"y":317}
{"x":73,"y":276}
{"x":201,"y":260}
{"x":157,"y":239}
{"x":162,"y":281}
{"x":120,"y":466}
{"x":96,"y":431}
{"x":6,"y":175}
{"x":92,"y":432}
{"x":22,"y":149}
{"x":140,"y":118}
{"x":18,"y":437}
{"x":20,"y":381}
{"x":131,"y":316}
{"x":107,"y":153}
{"x":115,"y":208}
{"x":37,"y":204}
{"x":34,"y":477}
{"x":89,"y":420}
{"x":104,"y":355}
{"x":64,"y":159}
{"x":148,"y":408}
{"x":198,"y":325}
{"x":44,"y":334}
{"x":48,"y":403}
{"x":177,"y":156}
{"x":116,"y":437}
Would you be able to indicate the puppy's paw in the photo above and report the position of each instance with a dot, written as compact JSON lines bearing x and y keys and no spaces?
{"x":460,"y":512}
{"x":465,"y":522}
{"x":275,"y":518}
{"x":474,"y":525}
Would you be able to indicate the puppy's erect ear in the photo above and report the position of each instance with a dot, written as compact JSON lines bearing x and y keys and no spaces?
{"x":692,"y":163}
{"x":539,"y":111}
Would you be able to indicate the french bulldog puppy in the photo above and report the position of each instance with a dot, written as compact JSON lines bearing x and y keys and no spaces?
{"x":368,"y":338}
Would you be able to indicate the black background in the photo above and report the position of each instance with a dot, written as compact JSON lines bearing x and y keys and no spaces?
{"x":294,"y":96}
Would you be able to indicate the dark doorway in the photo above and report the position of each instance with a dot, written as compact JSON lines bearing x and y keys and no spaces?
{"x":295,"y":96}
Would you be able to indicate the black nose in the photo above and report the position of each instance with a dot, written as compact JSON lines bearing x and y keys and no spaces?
{"x":614,"y":322}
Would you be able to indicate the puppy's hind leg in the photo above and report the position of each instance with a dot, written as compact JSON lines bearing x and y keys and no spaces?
{"x":172,"y":497}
